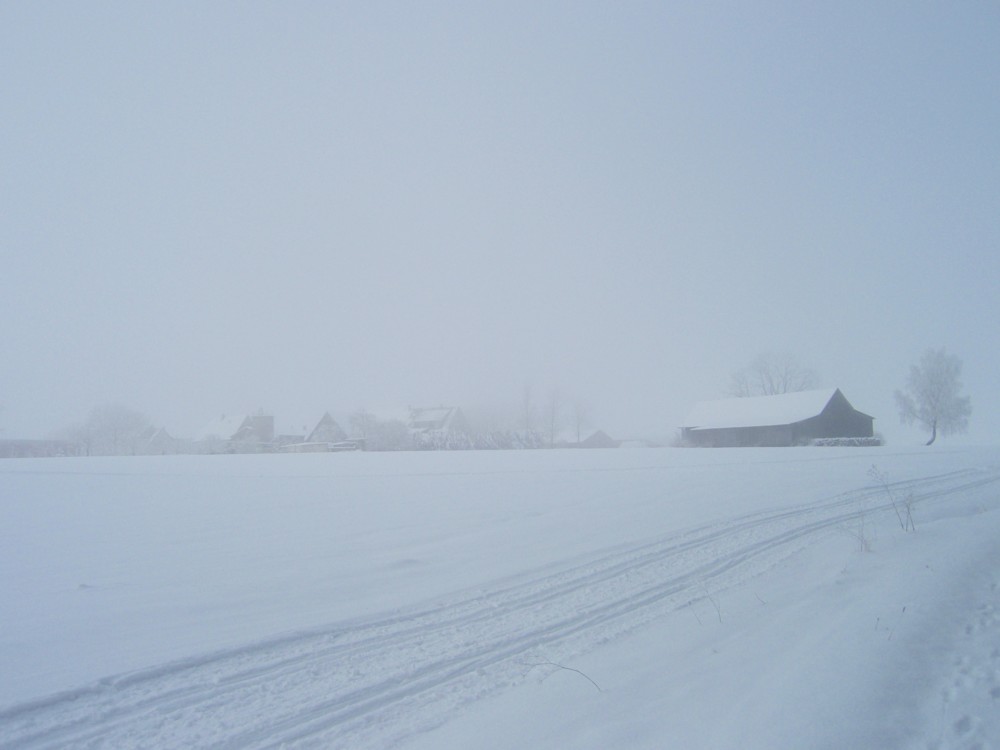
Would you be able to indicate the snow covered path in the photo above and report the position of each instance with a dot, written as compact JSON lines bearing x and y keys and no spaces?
{"x":376,"y":681}
{"x":970,"y":696}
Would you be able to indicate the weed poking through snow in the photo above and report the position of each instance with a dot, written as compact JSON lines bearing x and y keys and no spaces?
{"x":902,"y":506}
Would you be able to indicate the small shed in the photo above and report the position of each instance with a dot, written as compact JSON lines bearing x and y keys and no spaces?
{"x":775,"y":421}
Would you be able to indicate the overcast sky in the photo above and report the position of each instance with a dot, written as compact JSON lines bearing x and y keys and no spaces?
{"x":212,"y":208}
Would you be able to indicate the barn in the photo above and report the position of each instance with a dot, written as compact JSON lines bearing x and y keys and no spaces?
{"x":774,"y":421}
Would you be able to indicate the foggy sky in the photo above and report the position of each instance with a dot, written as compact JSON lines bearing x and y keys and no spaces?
{"x":212,"y":208}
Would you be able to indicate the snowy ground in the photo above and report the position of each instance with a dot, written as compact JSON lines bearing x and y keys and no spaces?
{"x":543,"y":599}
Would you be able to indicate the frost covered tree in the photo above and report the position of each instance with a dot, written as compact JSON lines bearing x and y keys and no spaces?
{"x":931,"y":395}
{"x":772,"y":374}
{"x":361,"y":423}
{"x":388,"y":435}
{"x":111,"y":430}
{"x":380,"y":435}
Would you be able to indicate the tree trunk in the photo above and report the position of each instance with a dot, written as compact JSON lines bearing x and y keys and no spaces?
{"x":933,"y":433}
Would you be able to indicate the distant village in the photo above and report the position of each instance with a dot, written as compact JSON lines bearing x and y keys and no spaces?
{"x":436,"y":428}
{"x":815,"y":417}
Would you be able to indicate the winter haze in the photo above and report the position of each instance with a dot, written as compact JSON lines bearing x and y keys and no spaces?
{"x":215,"y":208}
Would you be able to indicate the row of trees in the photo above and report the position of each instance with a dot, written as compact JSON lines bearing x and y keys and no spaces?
{"x":551,"y":417}
{"x":111,"y":430}
{"x":771,"y":374}
{"x":487,"y":429}
{"x":930,"y":398}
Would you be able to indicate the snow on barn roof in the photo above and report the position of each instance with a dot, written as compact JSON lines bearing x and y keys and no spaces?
{"x":758,"y":411}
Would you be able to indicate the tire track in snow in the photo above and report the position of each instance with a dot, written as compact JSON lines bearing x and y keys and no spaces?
{"x":384,"y":678}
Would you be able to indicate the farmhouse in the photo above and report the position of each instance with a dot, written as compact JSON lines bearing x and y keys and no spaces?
{"x":783,"y":420}
{"x":326,"y":437}
{"x":441,"y":420}
{"x":327,"y":431}
{"x":439,"y":428}
{"x":155,"y":441}
{"x":241,"y":434}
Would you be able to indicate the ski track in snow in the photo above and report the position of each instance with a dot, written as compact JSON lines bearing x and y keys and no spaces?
{"x":376,"y":681}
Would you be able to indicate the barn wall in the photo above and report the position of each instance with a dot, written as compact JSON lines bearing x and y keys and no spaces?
{"x":838,"y":419}
{"x":742,"y":437}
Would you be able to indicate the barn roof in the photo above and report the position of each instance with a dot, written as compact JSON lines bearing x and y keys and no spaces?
{"x":758,"y":411}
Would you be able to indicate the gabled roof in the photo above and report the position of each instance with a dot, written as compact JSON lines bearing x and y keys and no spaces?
{"x":759,"y":411}
{"x":326,"y":431}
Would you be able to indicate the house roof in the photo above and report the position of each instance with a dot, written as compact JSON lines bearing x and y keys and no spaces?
{"x":221,"y":428}
{"x":437,"y":418}
{"x":569,"y":436}
{"x":326,"y":431}
{"x":758,"y":411}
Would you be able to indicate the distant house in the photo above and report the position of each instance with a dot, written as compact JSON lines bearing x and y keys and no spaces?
{"x":283,"y":440}
{"x":773,"y":421}
{"x":440,"y":427}
{"x":258,"y":429}
{"x":438,"y":419}
{"x":598,"y":439}
{"x":241,"y":434}
{"x":327,"y":431}
{"x":587,"y":439}
{"x":326,"y":436}
{"x":156,"y":441}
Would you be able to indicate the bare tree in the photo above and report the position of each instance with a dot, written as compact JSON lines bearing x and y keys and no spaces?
{"x":581,"y":418}
{"x":361,"y":423}
{"x":380,"y":435}
{"x":388,"y":435}
{"x":771,"y":374}
{"x":527,"y":409}
{"x":931,"y":395}
{"x":485,"y":418}
{"x":112,"y":429}
{"x":553,"y":409}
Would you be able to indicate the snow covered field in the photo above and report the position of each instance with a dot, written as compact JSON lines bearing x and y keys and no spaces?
{"x":542,"y":599}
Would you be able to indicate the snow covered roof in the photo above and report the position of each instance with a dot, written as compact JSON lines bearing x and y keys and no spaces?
{"x":758,"y":411}
{"x":437,"y":418}
{"x":221,"y":428}
{"x":569,"y":436}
